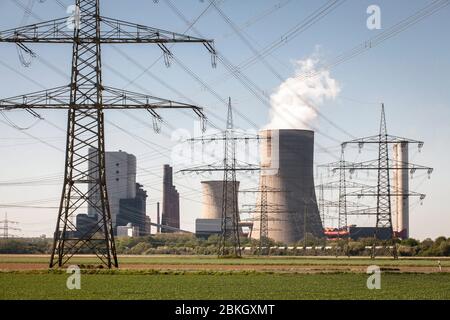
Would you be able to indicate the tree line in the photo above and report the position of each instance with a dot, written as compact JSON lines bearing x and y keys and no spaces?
{"x":172,"y":243}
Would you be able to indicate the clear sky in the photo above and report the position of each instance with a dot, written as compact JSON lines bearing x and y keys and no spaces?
{"x":408,"y":72}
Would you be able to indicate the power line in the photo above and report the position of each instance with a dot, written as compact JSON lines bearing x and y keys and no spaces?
{"x":244,"y":80}
{"x":275,"y":72}
{"x":388,"y":33}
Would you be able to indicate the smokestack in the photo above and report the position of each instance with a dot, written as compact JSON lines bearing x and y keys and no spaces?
{"x":401,"y":189}
{"x":171,"y":201}
{"x":158,"y":219}
{"x":287,"y":165}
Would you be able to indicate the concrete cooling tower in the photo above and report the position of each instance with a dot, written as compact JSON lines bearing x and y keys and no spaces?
{"x":287,"y":167}
{"x":212,"y":199}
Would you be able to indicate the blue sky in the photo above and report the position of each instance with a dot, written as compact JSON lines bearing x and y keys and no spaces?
{"x":408,"y":72}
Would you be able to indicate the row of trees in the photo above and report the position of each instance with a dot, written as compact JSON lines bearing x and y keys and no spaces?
{"x":189,"y":244}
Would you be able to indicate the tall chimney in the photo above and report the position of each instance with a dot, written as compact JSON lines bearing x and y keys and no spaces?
{"x":158,"y":219}
{"x":170,"y":207}
{"x":401,"y":189}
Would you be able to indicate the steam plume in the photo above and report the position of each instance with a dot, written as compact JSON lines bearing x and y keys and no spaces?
{"x":293,"y":100}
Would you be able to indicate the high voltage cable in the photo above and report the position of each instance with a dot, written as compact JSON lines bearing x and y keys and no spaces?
{"x":276,"y":73}
{"x":159,"y":80}
{"x":258,"y":17}
{"x":244,"y":80}
{"x":392,"y":31}
{"x":299,"y":28}
{"x":190,"y":25}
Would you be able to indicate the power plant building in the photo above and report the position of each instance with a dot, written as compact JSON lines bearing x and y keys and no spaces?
{"x":120,"y":180}
{"x":171,"y":201}
{"x":86,"y":225}
{"x":134,"y":211}
{"x":287,"y":166}
{"x":127,"y":199}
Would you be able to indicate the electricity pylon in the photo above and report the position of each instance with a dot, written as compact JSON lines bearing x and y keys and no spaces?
{"x":6,"y":226}
{"x":264,"y":212}
{"x":86,"y":98}
{"x":230,"y":210}
{"x":383,"y":165}
{"x":230,"y":230}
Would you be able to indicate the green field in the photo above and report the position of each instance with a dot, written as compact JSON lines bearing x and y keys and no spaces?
{"x":162,"y":277}
{"x":273,"y":260}
{"x":224,"y":286}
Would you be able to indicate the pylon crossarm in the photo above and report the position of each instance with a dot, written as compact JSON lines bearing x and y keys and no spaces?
{"x":349,"y":204}
{"x":363,"y":212}
{"x":336,"y":164}
{"x":121,"y":99}
{"x":112,"y":31}
{"x":373,"y":165}
{"x":376,"y":139}
{"x":335,"y":185}
{"x":59,"y":98}
{"x":238,"y":136}
{"x":393,"y":165}
{"x":118,"y":31}
{"x":217,"y":169}
{"x":372,"y":191}
{"x":53,"y":31}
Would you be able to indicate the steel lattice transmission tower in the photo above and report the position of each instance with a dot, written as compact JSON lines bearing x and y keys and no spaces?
{"x":262,"y":211}
{"x":264,"y":217}
{"x":86,"y":98}
{"x":342,"y":214}
{"x":6,"y":226}
{"x":384,"y":206}
{"x":230,"y":210}
{"x":383,"y":165}
{"x":230,"y":229}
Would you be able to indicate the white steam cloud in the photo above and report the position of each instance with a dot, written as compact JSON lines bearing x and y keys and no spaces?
{"x":293,"y":100}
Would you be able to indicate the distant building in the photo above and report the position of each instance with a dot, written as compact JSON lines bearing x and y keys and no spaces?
{"x":368,"y":232}
{"x":171,"y":201}
{"x":355,"y":232}
{"x":128,"y":231}
{"x":134,"y":211}
{"x":86,"y":224}
{"x":207,"y":227}
{"x":147,"y":226}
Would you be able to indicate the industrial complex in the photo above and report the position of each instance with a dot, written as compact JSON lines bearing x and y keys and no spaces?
{"x":287,"y":209}
{"x":102,"y":200}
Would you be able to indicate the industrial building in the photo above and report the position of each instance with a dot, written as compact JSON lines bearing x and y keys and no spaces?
{"x":134,"y":211}
{"x":127,"y":199}
{"x":355,"y":233}
{"x":120,"y":180}
{"x":127,"y":231}
{"x":171,"y":201}
{"x":207,"y":227}
{"x":85,"y":224}
{"x":287,"y":166}
{"x":212,"y":206}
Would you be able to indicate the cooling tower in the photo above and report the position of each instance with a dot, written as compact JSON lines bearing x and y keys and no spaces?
{"x":212,"y":199}
{"x":287,"y":167}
